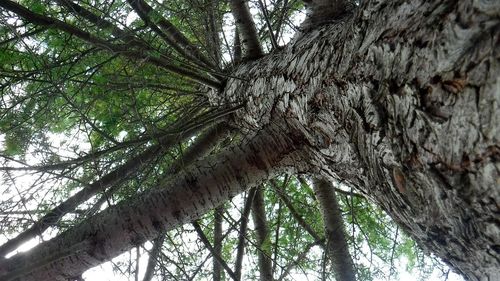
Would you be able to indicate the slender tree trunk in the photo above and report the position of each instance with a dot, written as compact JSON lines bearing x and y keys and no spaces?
{"x":217,"y":269}
{"x":240,"y":249}
{"x":336,"y":242}
{"x":263,"y":238}
{"x":114,"y":178}
{"x":154,"y":255}
{"x":246,"y":28}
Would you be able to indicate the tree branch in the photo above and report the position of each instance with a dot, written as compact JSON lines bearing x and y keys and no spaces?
{"x":207,"y":244}
{"x":100,"y":43}
{"x":169,"y":33}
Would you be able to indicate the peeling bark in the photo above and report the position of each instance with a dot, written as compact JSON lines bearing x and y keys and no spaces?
{"x":401,"y":101}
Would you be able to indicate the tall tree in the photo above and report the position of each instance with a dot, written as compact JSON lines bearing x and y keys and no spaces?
{"x":398,"y":100}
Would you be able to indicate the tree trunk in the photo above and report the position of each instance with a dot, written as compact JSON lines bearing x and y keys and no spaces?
{"x":217,"y":269}
{"x":154,"y":254}
{"x":262,"y":233}
{"x":242,"y":233}
{"x":400,"y":100}
{"x":336,"y":242}
{"x":182,"y":199}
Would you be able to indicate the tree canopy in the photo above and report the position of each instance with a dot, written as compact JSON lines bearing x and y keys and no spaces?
{"x":103,"y":102}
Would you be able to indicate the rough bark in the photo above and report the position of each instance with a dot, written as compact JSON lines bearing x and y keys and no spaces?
{"x":262,"y":233}
{"x":401,"y":101}
{"x":182,"y":199}
{"x":336,"y":242}
{"x":321,"y":12}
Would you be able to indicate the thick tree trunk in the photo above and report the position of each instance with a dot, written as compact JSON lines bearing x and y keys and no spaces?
{"x":402,"y":102}
{"x":179,"y":200}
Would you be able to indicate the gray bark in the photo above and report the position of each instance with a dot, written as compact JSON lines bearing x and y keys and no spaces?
{"x":401,"y":101}
{"x":112,"y":179}
{"x":179,"y":200}
{"x":262,"y":233}
{"x":240,"y":250}
{"x":336,"y":242}
{"x":246,"y":28}
{"x":216,"y":268}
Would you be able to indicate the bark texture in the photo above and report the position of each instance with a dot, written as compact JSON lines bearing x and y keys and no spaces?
{"x":216,"y":267}
{"x":402,"y":101}
{"x":246,"y":29}
{"x":179,"y":200}
{"x":110,"y":180}
{"x":336,"y":242}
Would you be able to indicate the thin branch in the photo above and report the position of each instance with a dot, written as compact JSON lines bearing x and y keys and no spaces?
{"x":294,"y":212}
{"x":207,"y":244}
{"x":169,"y":33}
{"x":263,"y":8}
{"x":100,"y":43}
{"x":115,"y":177}
{"x":240,"y":250}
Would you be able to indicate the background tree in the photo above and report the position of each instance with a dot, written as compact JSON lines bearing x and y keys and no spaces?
{"x":122,"y":121}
